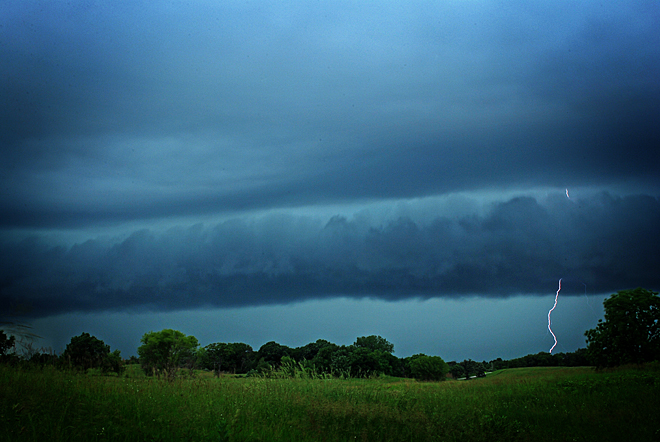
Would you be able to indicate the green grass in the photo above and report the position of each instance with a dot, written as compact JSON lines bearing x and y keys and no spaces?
{"x":527,"y":404}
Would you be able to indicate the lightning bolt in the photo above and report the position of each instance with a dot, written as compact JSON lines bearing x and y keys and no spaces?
{"x":553,"y":307}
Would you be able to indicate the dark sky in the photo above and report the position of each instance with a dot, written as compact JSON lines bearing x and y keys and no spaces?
{"x":166,"y":158}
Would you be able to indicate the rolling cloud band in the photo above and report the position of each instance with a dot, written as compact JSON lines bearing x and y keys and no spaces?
{"x":604,"y":241}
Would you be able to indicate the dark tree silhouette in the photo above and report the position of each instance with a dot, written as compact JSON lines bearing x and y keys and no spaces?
{"x":630,"y":333}
{"x":86,"y":351}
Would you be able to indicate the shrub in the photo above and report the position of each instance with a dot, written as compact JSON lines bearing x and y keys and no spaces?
{"x":428,"y":368}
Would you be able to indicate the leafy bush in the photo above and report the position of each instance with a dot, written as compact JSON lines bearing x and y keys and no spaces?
{"x":428,"y":368}
{"x":630,"y":333}
{"x":86,"y":351}
{"x":165,"y":351}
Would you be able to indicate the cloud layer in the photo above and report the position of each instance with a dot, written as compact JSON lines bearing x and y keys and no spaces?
{"x":520,"y":246}
{"x":140,"y":110}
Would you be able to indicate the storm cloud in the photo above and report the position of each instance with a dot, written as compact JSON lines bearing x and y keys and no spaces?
{"x":516,"y":247}
{"x":141,"y":110}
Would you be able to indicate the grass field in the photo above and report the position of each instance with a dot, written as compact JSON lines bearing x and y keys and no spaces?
{"x":527,"y":404}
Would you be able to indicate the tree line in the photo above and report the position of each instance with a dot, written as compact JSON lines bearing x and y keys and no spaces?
{"x":164,"y":352}
{"x":629,"y":334}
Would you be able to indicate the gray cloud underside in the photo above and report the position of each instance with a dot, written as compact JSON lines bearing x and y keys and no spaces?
{"x":142,"y":110}
{"x":521,"y":246}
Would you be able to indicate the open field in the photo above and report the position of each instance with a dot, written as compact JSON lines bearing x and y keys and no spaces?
{"x":527,"y":404}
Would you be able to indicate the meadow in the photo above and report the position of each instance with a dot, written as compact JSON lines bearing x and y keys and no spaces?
{"x":524,"y":404}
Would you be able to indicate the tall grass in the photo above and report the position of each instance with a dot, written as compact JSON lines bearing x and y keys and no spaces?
{"x":540,"y":404}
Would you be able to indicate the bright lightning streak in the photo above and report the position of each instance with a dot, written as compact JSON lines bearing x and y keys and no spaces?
{"x":553,"y":307}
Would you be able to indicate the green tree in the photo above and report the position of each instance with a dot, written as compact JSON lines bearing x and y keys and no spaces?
{"x":164,"y":352}
{"x":457,"y":371}
{"x":239,"y":357}
{"x":630,"y":333}
{"x":6,"y":343}
{"x":365,"y":362}
{"x":374,"y":343}
{"x":341,"y":360}
{"x":323,"y":359}
{"x":498,"y":364}
{"x":395,"y":366}
{"x":87,"y":351}
{"x":233,"y":357}
{"x":576,"y":359}
{"x":272,"y":352}
{"x":215,"y":357}
{"x":113,"y":362}
{"x":308,"y":352}
{"x":43,"y":358}
{"x":471,"y":367}
{"x":428,"y":368}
